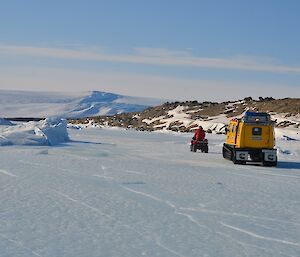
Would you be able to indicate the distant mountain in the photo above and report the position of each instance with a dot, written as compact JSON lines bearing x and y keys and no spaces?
{"x":108,"y":109}
{"x":186,"y":116}
{"x":24,"y":104}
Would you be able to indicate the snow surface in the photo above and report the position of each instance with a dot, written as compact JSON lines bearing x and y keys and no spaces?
{"x":15,"y":104}
{"x":112,"y":192}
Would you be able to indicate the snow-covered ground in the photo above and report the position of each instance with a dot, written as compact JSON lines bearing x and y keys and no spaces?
{"x":112,"y":192}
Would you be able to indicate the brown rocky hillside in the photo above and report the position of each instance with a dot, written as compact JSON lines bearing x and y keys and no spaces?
{"x":185,"y":116}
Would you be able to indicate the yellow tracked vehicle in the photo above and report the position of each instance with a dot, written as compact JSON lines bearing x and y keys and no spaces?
{"x":251,"y":139}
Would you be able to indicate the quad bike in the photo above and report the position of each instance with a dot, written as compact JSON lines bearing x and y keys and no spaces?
{"x":199,"y":145}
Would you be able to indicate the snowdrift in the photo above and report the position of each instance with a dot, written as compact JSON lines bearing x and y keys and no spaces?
{"x":5,"y":122}
{"x":50,"y":131}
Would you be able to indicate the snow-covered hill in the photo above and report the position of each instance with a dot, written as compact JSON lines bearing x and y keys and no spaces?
{"x":20,"y":104}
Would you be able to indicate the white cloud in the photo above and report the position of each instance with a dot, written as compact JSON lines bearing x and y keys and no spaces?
{"x":32,"y":78}
{"x":161,"y":52}
{"x":155,"y":57}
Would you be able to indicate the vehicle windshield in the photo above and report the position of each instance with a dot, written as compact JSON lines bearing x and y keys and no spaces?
{"x":257,"y":118}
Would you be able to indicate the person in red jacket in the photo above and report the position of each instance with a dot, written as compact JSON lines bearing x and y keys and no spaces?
{"x":199,"y":134}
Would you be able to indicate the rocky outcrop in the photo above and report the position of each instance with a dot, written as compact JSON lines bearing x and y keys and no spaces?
{"x":188,"y":115}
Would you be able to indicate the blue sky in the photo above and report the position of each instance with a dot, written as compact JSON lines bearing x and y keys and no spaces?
{"x":173,"y":49}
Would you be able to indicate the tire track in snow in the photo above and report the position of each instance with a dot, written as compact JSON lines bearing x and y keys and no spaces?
{"x":259,"y":236}
{"x":149,"y":196}
{"x":255,"y":173}
{"x":7,"y":173}
{"x":168,"y":203}
{"x":279,"y":175}
{"x":115,"y":220}
{"x":19,"y":244}
{"x":132,"y":172}
{"x":50,"y":167}
{"x":178,"y":212}
{"x":104,"y":177}
{"x":236,"y":172}
{"x":168,"y":249}
{"x":241,"y":215}
{"x":243,"y":244}
{"x":262,"y":171}
{"x":83,"y":204}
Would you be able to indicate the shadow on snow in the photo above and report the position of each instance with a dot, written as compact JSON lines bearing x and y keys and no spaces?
{"x":289,"y":165}
{"x":89,"y":142}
